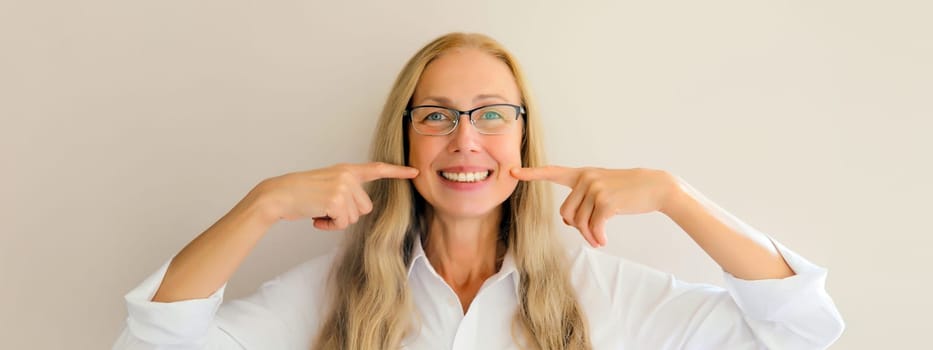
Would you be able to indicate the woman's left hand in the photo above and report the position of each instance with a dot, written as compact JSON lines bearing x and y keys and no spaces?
{"x":599,"y":194}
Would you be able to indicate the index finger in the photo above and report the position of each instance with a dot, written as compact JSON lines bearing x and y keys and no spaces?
{"x":553,"y":173}
{"x":380,"y":170}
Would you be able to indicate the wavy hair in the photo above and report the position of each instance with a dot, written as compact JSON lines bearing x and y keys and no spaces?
{"x":371,"y":306}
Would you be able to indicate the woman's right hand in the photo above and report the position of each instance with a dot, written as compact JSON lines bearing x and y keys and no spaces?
{"x":332,"y":197}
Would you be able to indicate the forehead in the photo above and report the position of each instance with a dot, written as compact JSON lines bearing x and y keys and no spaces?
{"x":465,"y":77}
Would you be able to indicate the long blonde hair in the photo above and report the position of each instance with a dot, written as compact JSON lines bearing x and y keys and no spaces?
{"x":371,"y":303}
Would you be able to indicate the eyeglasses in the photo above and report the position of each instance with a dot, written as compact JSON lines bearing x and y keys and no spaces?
{"x":491,"y":119}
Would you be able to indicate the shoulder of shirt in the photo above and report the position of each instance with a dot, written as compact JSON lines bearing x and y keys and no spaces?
{"x":312,"y":273}
{"x":583,"y":256}
{"x":593,"y":266}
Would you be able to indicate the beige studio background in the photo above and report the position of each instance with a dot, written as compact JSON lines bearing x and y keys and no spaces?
{"x":130,"y":127}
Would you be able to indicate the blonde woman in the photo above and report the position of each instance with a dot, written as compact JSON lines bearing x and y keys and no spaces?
{"x":451,"y":244}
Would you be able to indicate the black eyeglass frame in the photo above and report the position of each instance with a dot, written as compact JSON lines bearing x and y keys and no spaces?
{"x":519,"y":112}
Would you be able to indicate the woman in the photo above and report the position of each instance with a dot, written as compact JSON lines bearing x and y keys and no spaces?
{"x":451,"y":244}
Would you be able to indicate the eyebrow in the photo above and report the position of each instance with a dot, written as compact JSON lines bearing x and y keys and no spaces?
{"x":446,"y":101}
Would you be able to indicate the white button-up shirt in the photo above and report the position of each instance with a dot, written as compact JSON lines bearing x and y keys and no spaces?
{"x":627,"y":306}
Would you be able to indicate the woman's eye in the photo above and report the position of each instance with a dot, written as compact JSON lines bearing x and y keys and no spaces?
{"x":491,"y":115}
{"x":435,"y":117}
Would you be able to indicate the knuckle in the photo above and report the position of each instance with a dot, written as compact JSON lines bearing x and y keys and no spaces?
{"x":566,"y":213}
{"x":342,"y":187}
{"x":335,"y":201}
{"x":603,"y":200}
{"x":597,"y":186}
{"x":581,"y":222}
{"x":345,"y":176}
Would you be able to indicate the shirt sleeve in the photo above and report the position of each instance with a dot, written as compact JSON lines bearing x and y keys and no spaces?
{"x":281,"y":314}
{"x":790,"y":313}
{"x":662,"y":312}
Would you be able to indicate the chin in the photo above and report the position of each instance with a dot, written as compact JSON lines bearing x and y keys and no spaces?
{"x":463,"y":210}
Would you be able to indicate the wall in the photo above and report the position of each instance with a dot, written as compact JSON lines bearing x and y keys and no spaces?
{"x":130,"y":127}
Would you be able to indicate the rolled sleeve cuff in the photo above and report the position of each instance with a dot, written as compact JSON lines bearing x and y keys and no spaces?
{"x":180,"y":322}
{"x":765,"y":299}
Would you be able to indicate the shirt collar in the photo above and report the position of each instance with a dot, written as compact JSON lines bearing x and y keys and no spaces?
{"x":507,"y":270}
{"x":417,"y":254}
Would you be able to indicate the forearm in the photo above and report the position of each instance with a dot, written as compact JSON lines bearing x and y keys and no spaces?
{"x":208,"y":261}
{"x":737,"y":247}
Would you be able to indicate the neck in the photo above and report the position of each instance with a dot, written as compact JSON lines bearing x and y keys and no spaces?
{"x":464,"y":251}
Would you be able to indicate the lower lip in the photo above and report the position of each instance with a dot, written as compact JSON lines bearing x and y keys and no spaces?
{"x":465,"y":186}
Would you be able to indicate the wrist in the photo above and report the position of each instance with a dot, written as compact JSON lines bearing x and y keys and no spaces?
{"x":675,"y":196}
{"x":260,"y":206}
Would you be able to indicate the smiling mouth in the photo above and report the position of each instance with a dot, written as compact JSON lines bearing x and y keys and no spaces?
{"x":470,"y":176}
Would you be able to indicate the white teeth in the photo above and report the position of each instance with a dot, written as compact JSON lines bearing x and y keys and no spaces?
{"x":466,"y":177}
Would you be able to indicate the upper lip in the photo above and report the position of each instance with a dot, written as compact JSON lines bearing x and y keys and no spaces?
{"x":464,"y":169}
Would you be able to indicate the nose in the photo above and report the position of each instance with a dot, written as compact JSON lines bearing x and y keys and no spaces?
{"x":465,"y":138}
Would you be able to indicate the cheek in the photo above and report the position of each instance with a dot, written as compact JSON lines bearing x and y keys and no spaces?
{"x":508,"y":155}
{"x":508,"y":150}
{"x":420,"y":155}
{"x":423,"y":164}
{"x":418,"y":151}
